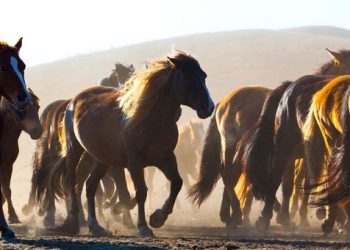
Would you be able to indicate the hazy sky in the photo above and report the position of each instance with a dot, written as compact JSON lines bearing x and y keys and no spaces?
{"x":56,"y":29}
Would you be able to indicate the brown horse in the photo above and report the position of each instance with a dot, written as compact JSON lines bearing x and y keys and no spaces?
{"x":134,"y":128}
{"x":14,"y":89}
{"x":12,"y":129}
{"x":48,"y":152}
{"x":234,"y":118}
{"x":188,"y":150}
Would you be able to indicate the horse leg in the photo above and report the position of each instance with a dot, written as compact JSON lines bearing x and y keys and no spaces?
{"x":149,"y":180}
{"x":126,"y":202}
{"x":109,"y":188}
{"x":99,"y":201}
{"x":283,"y":217}
{"x":225,"y":208}
{"x":284,"y":150}
{"x":230,"y":178}
{"x":49,"y":220}
{"x":298,"y":181}
{"x":92,"y":183}
{"x":247,"y":207}
{"x":137,"y":176}
{"x":73,"y":155}
{"x":28,"y":208}
{"x":6,"y":191}
{"x":169,"y":168}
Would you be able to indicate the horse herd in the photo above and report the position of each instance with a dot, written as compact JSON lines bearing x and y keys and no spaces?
{"x":296,"y":135}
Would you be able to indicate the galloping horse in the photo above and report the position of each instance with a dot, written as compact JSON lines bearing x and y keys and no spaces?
{"x":134,"y":128}
{"x":233,"y":119}
{"x":12,"y":129}
{"x":48,"y":149}
{"x":14,"y":89}
{"x":187,"y":151}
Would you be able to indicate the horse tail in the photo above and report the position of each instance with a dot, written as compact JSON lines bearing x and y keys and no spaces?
{"x":337,"y":184}
{"x":257,"y":145}
{"x":39,"y":160}
{"x":210,"y":164}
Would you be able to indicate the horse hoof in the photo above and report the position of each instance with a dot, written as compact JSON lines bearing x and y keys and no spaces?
{"x":321,"y":213}
{"x":117,"y":208}
{"x":8,"y":234}
{"x":69,"y":227}
{"x":26,"y":210}
{"x":146,"y":232}
{"x":132,"y":203}
{"x":41,"y":212}
{"x":304,"y":223}
{"x":99,"y":231}
{"x":262,"y":225}
{"x":158,"y":218}
{"x":14,"y":220}
{"x":49,"y":222}
{"x":327,"y":227}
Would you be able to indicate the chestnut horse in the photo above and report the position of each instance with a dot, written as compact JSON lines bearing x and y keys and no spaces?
{"x":47,"y":152}
{"x":14,"y":89}
{"x":12,"y":129}
{"x":134,"y":128}
{"x":233,"y":119}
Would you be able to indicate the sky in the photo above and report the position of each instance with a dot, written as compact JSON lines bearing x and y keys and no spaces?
{"x":57,"y":29}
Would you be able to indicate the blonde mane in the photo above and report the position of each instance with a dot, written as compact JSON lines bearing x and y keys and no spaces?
{"x":141,"y":92}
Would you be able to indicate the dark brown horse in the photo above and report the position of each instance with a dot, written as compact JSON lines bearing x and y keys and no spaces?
{"x":119,"y":76}
{"x":12,"y":129}
{"x":14,"y":89}
{"x":134,"y":128}
{"x":234,"y":118}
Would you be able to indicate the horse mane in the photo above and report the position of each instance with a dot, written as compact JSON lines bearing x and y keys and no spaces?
{"x":327,"y":66}
{"x":4,"y":46}
{"x":35,"y":98}
{"x":141,"y":92}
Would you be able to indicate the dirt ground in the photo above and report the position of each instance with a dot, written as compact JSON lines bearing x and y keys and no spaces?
{"x":180,"y":237}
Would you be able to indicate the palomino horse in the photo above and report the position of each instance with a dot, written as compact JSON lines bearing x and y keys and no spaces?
{"x":188,"y":150}
{"x":14,"y":89}
{"x":234,"y":117}
{"x":134,"y":128}
{"x":12,"y":129}
{"x":329,"y":116}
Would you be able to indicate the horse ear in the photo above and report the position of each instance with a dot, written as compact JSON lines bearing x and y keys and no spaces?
{"x":19,"y":43}
{"x":174,"y":62}
{"x":336,"y":57}
{"x":131,"y":67}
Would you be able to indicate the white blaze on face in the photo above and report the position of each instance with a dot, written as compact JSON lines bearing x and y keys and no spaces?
{"x":14,"y":64}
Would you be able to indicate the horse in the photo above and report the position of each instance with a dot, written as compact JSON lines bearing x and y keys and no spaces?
{"x":119,"y":75}
{"x":12,"y":129}
{"x":14,"y":89}
{"x":48,"y":152}
{"x":133,"y":127}
{"x":329,"y":112}
{"x":232,"y":120}
{"x":187,"y":152}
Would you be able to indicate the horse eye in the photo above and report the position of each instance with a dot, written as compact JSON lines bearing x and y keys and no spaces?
{"x":2,"y":69}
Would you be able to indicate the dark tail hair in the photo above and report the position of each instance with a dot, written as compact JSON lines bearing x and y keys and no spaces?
{"x":210,"y":164}
{"x":258,"y":144}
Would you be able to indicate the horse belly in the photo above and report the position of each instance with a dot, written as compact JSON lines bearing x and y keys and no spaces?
{"x":100,"y":136}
